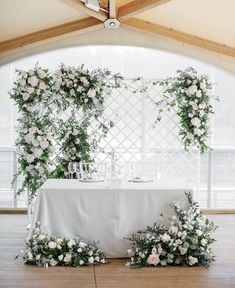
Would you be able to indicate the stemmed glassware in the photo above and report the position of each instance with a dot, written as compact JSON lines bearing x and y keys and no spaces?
{"x":71,"y":169}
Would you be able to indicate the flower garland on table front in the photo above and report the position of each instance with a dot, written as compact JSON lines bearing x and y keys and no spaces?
{"x":188,"y":92}
{"x":33,"y":143}
{"x":186,"y":242}
{"x":46,"y":250}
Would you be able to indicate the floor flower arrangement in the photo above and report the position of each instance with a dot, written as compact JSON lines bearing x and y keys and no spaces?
{"x":46,"y":250}
{"x":186,"y":242}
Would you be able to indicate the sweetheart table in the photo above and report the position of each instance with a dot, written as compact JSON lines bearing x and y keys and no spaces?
{"x":95,"y":212}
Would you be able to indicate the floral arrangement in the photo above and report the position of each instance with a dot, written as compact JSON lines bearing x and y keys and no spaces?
{"x":188,"y":92}
{"x":61,"y":120}
{"x":186,"y":242}
{"x":46,"y":250}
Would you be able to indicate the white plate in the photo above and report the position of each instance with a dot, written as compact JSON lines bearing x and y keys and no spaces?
{"x":91,"y":181}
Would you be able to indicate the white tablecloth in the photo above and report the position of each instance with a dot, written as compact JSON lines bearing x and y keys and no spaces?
{"x":104,"y":215}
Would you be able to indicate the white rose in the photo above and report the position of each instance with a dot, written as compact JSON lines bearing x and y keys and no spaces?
{"x":79,"y":250}
{"x":52,"y":245}
{"x":82,"y":244}
{"x":77,"y":141}
{"x":202,"y":106}
{"x":33,"y":130}
{"x":42,"y":85}
{"x":199,"y":93}
{"x":153,"y":259}
{"x":44,"y":144}
{"x":103,"y":261}
{"x":37,"y":152}
{"x":61,"y":257}
{"x":203,"y":85}
{"x":178,"y":242}
{"x":35,"y":142}
{"x":30,"y":90}
{"x":25,"y":96}
{"x":53,"y":262}
{"x":84,"y":81}
{"x":67,"y":257}
{"x":28,"y":138}
{"x":191,"y":90}
{"x":194,"y":106}
{"x":183,"y":250}
{"x":97,"y":258}
{"x":81,"y":262}
{"x":30,"y":158}
{"x":41,"y":73}
{"x":71,"y":243}
{"x":199,"y":232}
{"x":38,"y":257}
{"x":33,"y":81}
{"x":41,"y":170}
{"x":196,"y":122}
{"x":90,"y":253}
{"x":91,"y":93}
{"x":59,"y":241}
{"x":204,"y":242}
{"x":189,"y":136}
{"x":22,"y":82}
{"x":31,"y":72}
{"x":91,"y":260}
{"x":192,"y":260}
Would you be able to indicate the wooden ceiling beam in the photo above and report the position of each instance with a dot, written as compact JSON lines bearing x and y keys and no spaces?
{"x":101,"y":15}
{"x":79,"y":26}
{"x":136,"y":7}
{"x":156,"y":29}
{"x":112,"y":9}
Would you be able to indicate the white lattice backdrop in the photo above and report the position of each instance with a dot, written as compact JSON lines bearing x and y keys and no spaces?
{"x":134,"y":136}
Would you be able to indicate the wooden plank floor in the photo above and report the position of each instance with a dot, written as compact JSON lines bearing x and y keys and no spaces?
{"x":14,"y":274}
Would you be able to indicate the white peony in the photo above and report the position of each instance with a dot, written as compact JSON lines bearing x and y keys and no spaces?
{"x":91,"y":260}
{"x":82,"y":244}
{"x":53,"y":262}
{"x":204,"y":242}
{"x":67,"y":257}
{"x":153,"y":259}
{"x":191,"y":90}
{"x":196,"y":122}
{"x":91,"y":93}
{"x":192,"y":260}
{"x":33,"y":81}
{"x":52,"y":245}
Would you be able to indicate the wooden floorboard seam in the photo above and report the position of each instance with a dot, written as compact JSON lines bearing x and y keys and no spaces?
{"x":95,"y":277}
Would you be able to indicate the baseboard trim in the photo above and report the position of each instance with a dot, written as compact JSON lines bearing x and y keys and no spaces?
{"x":217,"y":211}
{"x":13,"y":211}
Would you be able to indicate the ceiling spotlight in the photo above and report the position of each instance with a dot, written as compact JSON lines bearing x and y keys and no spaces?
{"x":111,"y":24}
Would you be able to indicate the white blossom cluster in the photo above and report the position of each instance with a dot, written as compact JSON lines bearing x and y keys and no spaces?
{"x":76,"y":86}
{"x":47,"y":250}
{"x":189,"y":93}
{"x":186,"y":242}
